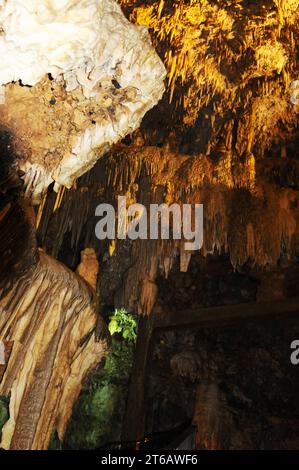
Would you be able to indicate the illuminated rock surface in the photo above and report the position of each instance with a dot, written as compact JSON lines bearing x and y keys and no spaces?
{"x":92,"y":78}
{"x":50,"y":317}
{"x":225,"y":134}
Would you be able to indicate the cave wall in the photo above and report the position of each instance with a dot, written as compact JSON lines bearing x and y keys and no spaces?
{"x":48,"y":319}
{"x":248,"y":215}
{"x":225,"y":134}
{"x":235,"y":383}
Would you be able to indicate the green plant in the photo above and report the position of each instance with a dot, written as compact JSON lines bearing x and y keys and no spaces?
{"x":124,"y":323}
{"x":98,"y":414}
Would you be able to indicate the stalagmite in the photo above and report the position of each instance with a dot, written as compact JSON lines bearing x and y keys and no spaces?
{"x":89,"y":267}
{"x":211,"y":417}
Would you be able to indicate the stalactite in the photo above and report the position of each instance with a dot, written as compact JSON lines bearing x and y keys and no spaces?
{"x":149,"y":289}
{"x":221,"y":81}
{"x":234,"y":194}
{"x":185,"y":258}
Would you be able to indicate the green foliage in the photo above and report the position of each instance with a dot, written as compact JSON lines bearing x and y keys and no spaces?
{"x":4,"y":411}
{"x":124,"y":323}
{"x":99,"y":411}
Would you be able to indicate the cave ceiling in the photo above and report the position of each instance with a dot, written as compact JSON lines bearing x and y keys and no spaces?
{"x":230,"y":67}
{"x":224,"y":133}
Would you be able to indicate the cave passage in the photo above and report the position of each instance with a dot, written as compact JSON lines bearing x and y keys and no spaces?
{"x":149,"y":226}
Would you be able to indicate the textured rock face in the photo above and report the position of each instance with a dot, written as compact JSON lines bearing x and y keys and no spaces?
{"x":92,"y":76}
{"x":229,"y":63}
{"x":234,"y":381}
{"x":247,"y":214}
{"x":48,"y":321}
{"x":49,"y":315}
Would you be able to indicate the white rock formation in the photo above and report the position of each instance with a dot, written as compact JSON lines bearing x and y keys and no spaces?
{"x":86,"y":64}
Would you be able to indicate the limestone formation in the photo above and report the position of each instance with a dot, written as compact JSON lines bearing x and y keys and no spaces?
{"x":49,"y":315}
{"x":76,"y":77}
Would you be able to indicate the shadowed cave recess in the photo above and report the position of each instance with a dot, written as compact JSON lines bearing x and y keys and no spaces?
{"x":140,"y":344}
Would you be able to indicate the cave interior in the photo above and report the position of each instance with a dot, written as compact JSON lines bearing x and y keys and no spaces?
{"x":142,"y":343}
